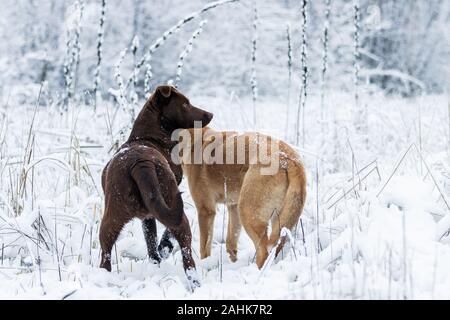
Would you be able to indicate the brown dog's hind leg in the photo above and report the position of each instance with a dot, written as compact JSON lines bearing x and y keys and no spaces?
{"x":182,"y":234}
{"x":233,"y":231}
{"x":150,"y":234}
{"x":109,"y":231}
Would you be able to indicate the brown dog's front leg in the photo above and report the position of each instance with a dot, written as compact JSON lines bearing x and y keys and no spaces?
{"x":206,"y":226}
{"x":233,"y":231}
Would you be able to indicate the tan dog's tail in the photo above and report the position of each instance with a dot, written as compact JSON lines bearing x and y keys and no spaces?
{"x":293,"y":204}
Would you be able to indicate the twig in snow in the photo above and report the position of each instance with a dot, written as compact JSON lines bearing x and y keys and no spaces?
{"x":317,"y":205}
{"x":38,"y":259}
{"x":119,"y":94}
{"x":426,"y":166}
{"x":325,"y":41}
{"x":360,"y":114}
{"x":69,"y":294}
{"x":253,"y":80}
{"x":356,"y":49}
{"x":432,"y":177}
{"x":100,"y":38}
{"x":289,"y":65}
{"x":352,"y":188}
{"x":73,"y":52}
{"x":186,"y":51}
{"x":134,"y":48}
{"x":394,"y":171}
{"x":148,"y":76}
{"x":56,"y":248}
{"x":304,"y":74}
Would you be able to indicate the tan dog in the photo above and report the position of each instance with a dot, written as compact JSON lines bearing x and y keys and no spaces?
{"x":253,"y":199}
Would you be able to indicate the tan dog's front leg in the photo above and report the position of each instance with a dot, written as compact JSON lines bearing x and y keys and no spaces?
{"x":206,"y":224}
{"x":233,"y":231}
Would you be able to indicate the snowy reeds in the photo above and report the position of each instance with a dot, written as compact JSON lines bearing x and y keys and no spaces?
{"x":325,"y":45}
{"x":18,"y":204}
{"x":174,"y":29}
{"x":330,"y":122}
{"x":304,"y":75}
{"x":360,"y":115}
{"x":73,"y":49}
{"x":119,"y":94}
{"x":67,"y":66}
{"x":100,"y":39}
{"x":356,"y":50}
{"x":148,"y":76}
{"x":134,"y":48}
{"x":133,"y":94}
{"x":253,"y":79}
{"x":186,"y":51}
{"x":289,"y":66}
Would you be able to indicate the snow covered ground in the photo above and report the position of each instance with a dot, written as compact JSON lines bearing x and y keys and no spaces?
{"x":364,"y":234}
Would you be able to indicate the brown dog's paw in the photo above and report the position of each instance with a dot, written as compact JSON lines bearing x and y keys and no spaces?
{"x":193,"y":279}
{"x":106,"y":262}
{"x":165,"y":248}
{"x":155,"y":259}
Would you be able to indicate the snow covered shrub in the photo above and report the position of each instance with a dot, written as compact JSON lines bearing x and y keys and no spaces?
{"x":304,"y":75}
{"x":289,"y":65}
{"x":100,"y":40}
{"x":73,"y":48}
{"x":253,"y":80}
{"x":187,"y":50}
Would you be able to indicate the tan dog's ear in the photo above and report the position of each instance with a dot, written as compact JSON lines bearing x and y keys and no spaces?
{"x":165,"y":91}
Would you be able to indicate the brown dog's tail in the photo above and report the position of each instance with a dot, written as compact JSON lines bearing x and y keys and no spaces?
{"x":148,"y":184}
{"x":293,"y":204}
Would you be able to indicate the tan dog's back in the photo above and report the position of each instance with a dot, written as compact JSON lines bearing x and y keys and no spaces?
{"x":253,"y":199}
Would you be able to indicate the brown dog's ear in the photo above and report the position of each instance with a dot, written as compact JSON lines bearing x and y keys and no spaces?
{"x":165,"y":91}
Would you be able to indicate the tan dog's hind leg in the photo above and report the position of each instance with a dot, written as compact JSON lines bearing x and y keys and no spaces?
{"x":260,"y":198}
{"x":257,"y":231}
{"x":206,"y":215}
{"x":292,"y":207}
{"x":233,"y":232}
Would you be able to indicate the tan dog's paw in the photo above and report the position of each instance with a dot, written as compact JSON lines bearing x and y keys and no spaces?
{"x":233,"y":255}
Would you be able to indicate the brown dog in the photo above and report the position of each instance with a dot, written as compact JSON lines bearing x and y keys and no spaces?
{"x":253,"y":199}
{"x":141,"y":181}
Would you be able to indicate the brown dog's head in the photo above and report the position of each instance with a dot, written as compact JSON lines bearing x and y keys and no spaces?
{"x":176,"y":110}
